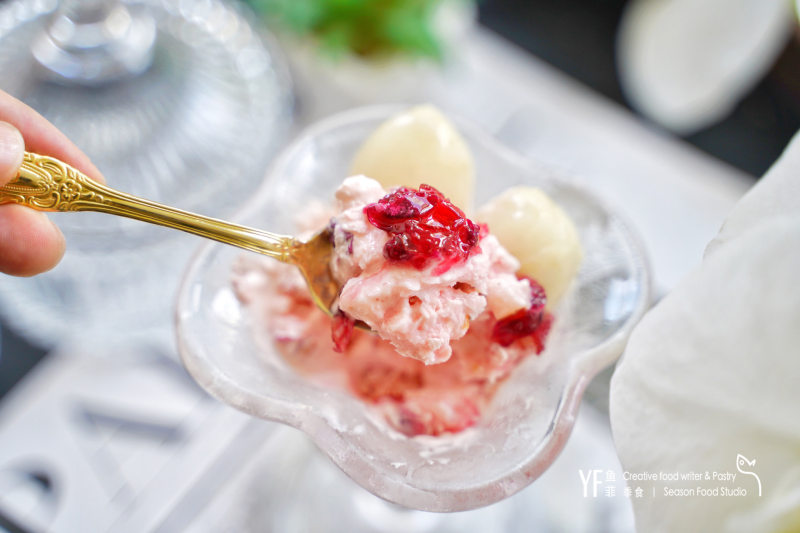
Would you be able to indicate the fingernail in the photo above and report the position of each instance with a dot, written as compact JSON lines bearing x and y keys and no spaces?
{"x":12,"y":147}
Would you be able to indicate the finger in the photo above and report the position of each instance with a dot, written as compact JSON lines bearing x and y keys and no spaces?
{"x":29,"y":242}
{"x":43,"y":138}
{"x":11,"y":149}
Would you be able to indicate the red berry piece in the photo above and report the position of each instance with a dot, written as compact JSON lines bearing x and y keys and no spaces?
{"x":533,"y":321}
{"x":425,"y":227}
{"x":540,"y":333}
{"x":341,"y":331}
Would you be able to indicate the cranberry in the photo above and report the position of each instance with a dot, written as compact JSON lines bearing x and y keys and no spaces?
{"x":540,"y":333}
{"x":533,"y":321}
{"x":348,"y":238}
{"x":397,"y":248}
{"x":341,"y":331}
{"x":425,"y":227}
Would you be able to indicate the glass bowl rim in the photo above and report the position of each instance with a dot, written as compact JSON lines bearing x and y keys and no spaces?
{"x":581,"y":370}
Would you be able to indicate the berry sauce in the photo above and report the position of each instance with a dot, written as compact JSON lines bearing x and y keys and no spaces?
{"x":341,"y":331}
{"x":533,"y":321}
{"x":424,"y":227}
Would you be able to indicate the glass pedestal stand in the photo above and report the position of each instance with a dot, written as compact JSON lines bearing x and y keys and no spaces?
{"x":180,"y":102}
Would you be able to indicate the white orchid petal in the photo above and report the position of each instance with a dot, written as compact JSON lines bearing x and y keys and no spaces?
{"x":712,"y":372}
{"x":709,"y":381}
{"x":686,"y":63}
{"x":776,"y":194}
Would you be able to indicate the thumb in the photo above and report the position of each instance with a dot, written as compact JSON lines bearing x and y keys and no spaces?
{"x":12,"y":147}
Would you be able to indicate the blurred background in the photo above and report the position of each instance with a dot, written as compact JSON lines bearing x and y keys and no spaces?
{"x":667,"y":110}
{"x":750,"y":136}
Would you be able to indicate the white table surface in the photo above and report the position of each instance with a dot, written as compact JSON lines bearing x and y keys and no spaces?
{"x":675,"y":196}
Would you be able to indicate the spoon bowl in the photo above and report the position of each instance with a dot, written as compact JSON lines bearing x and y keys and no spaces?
{"x":533,"y":412}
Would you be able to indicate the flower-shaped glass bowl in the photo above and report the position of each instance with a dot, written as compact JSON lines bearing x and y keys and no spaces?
{"x":531,"y":416}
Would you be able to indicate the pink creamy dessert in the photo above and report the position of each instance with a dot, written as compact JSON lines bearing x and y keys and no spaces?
{"x":453,"y":318}
{"x":418,"y":292}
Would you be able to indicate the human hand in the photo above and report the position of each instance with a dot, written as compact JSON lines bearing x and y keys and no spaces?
{"x":29,"y":242}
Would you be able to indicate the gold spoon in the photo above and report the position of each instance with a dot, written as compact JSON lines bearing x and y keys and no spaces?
{"x":47,"y":184}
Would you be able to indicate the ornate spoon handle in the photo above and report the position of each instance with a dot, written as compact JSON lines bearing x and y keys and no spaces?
{"x":47,"y":184}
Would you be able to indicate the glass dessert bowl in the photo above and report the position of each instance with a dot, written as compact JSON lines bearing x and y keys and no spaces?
{"x":530,"y":417}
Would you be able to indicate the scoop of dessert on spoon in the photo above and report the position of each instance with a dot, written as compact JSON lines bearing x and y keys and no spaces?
{"x":47,"y":184}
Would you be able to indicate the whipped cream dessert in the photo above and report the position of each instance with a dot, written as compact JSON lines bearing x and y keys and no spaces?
{"x":451,"y":311}
{"x":451,"y":317}
{"x":416,"y":270}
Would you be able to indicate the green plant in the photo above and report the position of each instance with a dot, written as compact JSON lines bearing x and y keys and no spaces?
{"x":367,"y":28}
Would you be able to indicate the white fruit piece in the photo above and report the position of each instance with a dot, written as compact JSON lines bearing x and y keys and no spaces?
{"x":539,"y":234}
{"x":419,"y":146}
